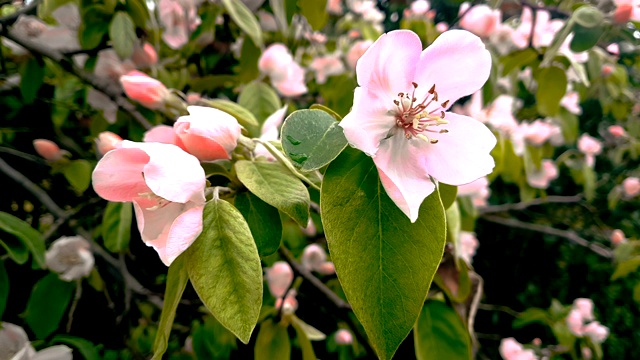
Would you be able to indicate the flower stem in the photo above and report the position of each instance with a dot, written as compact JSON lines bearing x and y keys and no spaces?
{"x":278,"y":155}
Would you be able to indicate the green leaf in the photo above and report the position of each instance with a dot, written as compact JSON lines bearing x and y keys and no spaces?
{"x":261,"y":100}
{"x":4,"y":288}
{"x":30,"y":237}
{"x":552,"y":50}
{"x":138,"y":11}
{"x":224,"y":268}
{"x":327,"y":110}
{"x":48,"y":303}
{"x":78,"y":173}
{"x":93,"y":27}
{"x":280,"y":13}
{"x":312,"y":139}
{"x":15,"y":248}
{"x":518,"y":59}
{"x":384,"y":262}
{"x":440,"y":334}
{"x":243,"y":17}
{"x":448,"y":194}
{"x":272,"y":342}
{"x":87,"y":349}
{"x":304,"y":340}
{"x":588,"y":16}
{"x":122,"y":32}
{"x":584,"y":38}
{"x":552,"y":85}
{"x":315,"y":11}
{"x":311,"y":332}
{"x":244,"y":116}
{"x":264,"y":222}
{"x":116,"y":226}
{"x":531,"y":315}
{"x":626,"y":267}
{"x":277,"y":186}
{"x":32,"y":78}
{"x":177,"y":279}
{"x":569,"y":124}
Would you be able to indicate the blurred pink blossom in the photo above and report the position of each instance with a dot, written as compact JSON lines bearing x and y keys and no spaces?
{"x":356,"y":51}
{"x":614,"y":49}
{"x":270,"y":131}
{"x":540,"y":178}
{"x":617,"y":131}
{"x":481,"y":19}
{"x":510,"y":349}
{"x":571,"y":102}
{"x":325,"y":66}
{"x":290,"y":304}
{"x":596,"y":331}
{"x":468,"y":246}
{"x":631,"y":186}
{"x":166,"y":186}
{"x":617,"y":237}
{"x":585,"y":307}
{"x":442,"y":27}
{"x":545,"y":29}
{"x":590,"y":147}
{"x":285,"y":74}
{"x":144,"y":89}
{"x":49,"y":150}
{"x":334,"y":7}
{"x":399,"y":115}
{"x":107,"y":141}
{"x":478,"y":190}
{"x":575,"y":322}
{"x":279,"y":278}
{"x":145,"y":55}
{"x":343,"y":337}
{"x":179,"y":18}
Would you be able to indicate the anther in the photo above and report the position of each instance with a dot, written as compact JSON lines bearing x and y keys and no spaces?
{"x":442,"y":114}
{"x":396,"y":102}
{"x":400,"y":94}
{"x":415,"y":85}
{"x":444,"y":131}
{"x":444,"y":104}
{"x":433,"y":89}
{"x":433,"y":141}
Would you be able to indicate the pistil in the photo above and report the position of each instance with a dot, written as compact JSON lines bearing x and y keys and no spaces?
{"x":415,"y":119}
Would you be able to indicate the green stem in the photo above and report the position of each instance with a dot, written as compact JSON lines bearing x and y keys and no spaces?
{"x":278,"y":155}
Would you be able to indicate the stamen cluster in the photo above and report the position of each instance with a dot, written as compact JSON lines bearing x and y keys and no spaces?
{"x":415,"y":119}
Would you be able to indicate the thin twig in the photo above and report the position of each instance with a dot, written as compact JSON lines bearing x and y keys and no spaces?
{"x":523,"y":205}
{"x":567,"y":234}
{"x":74,"y":304}
{"x":504,"y":309}
{"x":280,"y":157}
{"x":534,"y":15}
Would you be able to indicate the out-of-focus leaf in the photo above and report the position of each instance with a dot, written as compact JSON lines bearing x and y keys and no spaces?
{"x":588,"y":16}
{"x":626,"y":267}
{"x":122,"y":32}
{"x":4,"y":287}
{"x":47,"y":304}
{"x":552,"y":85}
{"x":138,"y":11}
{"x":243,"y":17}
{"x":94,"y":26}
{"x":177,"y":279}
{"x":517,"y":59}
{"x":448,"y":194}
{"x":584,"y":38}
{"x":31,"y":238}
{"x":116,"y":226}
{"x":32,"y":78}
{"x":440,"y":334}
{"x":303,"y":338}
{"x":531,"y":315}
{"x":86,"y":348}
{"x":273,"y":342}
{"x":78,"y":173}
{"x":315,"y":11}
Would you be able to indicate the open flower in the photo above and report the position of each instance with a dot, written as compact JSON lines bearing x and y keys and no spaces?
{"x":166,"y":186}
{"x":70,"y":257}
{"x":399,"y":115}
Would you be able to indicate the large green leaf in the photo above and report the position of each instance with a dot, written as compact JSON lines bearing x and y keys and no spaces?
{"x":78,"y":173}
{"x":4,"y":288}
{"x":312,"y":139}
{"x":177,"y":279}
{"x":49,"y":300}
{"x":116,"y":226}
{"x":224,"y":268}
{"x":384,"y":262}
{"x":273,"y":342}
{"x":243,"y":17}
{"x":552,"y":85}
{"x":31,"y":238}
{"x":122,"y":32}
{"x":626,"y":267}
{"x":440,"y":334}
{"x":264,"y":222}
{"x":277,"y":186}
{"x":315,"y":11}
{"x":244,"y":116}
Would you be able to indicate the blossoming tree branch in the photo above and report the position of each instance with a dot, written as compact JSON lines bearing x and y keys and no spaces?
{"x":313,"y":179}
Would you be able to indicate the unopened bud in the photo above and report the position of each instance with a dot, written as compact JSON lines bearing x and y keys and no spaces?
{"x":107,"y":141}
{"x":48,"y":149}
{"x":623,"y":13}
{"x":607,"y":69}
{"x":631,"y":186}
{"x":617,"y":131}
{"x":343,"y":337}
{"x":145,"y":55}
{"x":537,"y":342}
{"x":313,"y":257}
{"x":617,"y":237}
{"x":326,"y":268}
{"x":144,"y":89}
{"x":279,"y":277}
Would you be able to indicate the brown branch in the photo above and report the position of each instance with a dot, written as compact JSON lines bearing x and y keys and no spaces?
{"x":567,"y":234}
{"x":97,"y":83}
{"x":523,"y":205}
{"x":342,"y":308}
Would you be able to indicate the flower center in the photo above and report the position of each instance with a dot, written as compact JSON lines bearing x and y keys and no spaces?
{"x":414,"y":118}
{"x":152,"y":201}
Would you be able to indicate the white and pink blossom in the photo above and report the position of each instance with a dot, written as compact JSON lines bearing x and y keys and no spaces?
{"x":540,"y":178}
{"x":590,"y":147}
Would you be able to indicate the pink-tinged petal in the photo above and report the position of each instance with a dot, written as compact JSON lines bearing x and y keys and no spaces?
{"x":463,"y":154}
{"x":171,"y":173}
{"x":203,"y":148}
{"x":207,"y":133}
{"x":118,"y":175}
{"x":369,"y":121}
{"x":162,"y":134}
{"x":403,"y":173}
{"x":184,"y":231}
{"x":457,"y":63}
{"x":270,"y":127}
{"x":388,"y":66}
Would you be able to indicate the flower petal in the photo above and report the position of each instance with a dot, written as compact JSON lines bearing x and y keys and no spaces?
{"x":162,"y":134}
{"x":118,"y":175}
{"x":184,"y":231}
{"x":369,"y":122}
{"x":269,"y":131}
{"x":457,"y":63}
{"x":401,"y":165}
{"x":171,"y":173}
{"x":388,"y":66}
{"x":463,"y":154}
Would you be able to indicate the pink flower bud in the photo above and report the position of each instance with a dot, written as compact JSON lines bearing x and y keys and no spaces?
{"x":107,"y":141}
{"x":574,"y":322}
{"x":48,"y":149}
{"x":326,"y":268}
{"x":442,"y":27}
{"x":623,"y":13}
{"x":273,"y":58}
{"x":586,"y":353}
{"x":537,"y":342}
{"x":207,"y":133}
{"x":193,"y":98}
{"x":279,"y":277}
{"x":343,"y":337}
{"x":290,"y":304}
{"x":146,"y":90}
{"x":617,"y":237}
{"x":631,"y":186}
{"x":313,"y":257}
{"x":325,"y":66}
{"x":145,"y":55}
{"x":510,"y":349}
{"x":614,"y":49}
{"x":419,"y":7}
{"x":607,"y":69}
{"x":590,"y":147}
{"x":334,"y":7}
{"x":616,"y":131}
